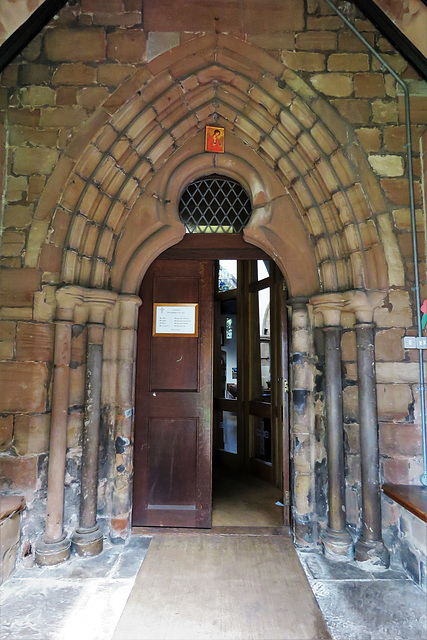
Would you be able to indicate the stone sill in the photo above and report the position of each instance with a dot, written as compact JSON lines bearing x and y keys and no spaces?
{"x":412,"y":498}
{"x":10,"y":505}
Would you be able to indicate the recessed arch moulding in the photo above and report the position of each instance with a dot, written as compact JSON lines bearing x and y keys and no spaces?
{"x":284,"y":143}
{"x":111,"y":205}
{"x":275,"y":225}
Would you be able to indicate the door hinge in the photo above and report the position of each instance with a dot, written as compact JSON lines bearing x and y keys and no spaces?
{"x":287,"y":498}
{"x":286,"y":386}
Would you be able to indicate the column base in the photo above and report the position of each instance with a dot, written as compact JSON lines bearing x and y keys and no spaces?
{"x":337,"y":545}
{"x":87,"y":542}
{"x":51,"y":553}
{"x":372,"y":555}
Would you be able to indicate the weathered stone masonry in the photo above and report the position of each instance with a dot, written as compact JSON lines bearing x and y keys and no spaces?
{"x":100,"y":135}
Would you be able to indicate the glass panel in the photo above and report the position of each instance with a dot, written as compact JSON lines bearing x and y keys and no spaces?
{"x":228,"y":349}
{"x":229,"y":427}
{"x":263,"y":269}
{"x":265,"y":370}
{"x":262,"y":438}
{"x":264,"y":324}
{"x":264,"y":312}
{"x":227,"y":275}
{"x":214,"y":205}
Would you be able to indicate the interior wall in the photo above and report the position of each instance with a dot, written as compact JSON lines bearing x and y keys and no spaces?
{"x":315,"y":131}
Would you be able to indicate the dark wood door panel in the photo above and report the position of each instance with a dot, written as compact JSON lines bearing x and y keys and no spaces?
{"x":174,"y":364}
{"x":173,"y":404}
{"x":170,"y":442}
{"x":176,"y":289}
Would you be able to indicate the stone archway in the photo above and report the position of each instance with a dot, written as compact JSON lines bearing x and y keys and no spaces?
{"x":111,"y":207}
{"x":112,"y":161}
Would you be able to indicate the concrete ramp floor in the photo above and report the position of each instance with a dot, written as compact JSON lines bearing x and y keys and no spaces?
{"x":221,"y":588}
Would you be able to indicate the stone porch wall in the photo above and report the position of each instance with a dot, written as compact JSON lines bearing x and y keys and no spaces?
{"x":54,"y":87}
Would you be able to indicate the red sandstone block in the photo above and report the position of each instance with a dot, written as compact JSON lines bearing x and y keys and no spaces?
{"x":18,"y":286}
{"x":31,"y":434}
{"x":114,"y":74}
{"x":400,"y":440}
{"x":127,"y":46}
{"x":418,"y":106}
{"x":272,"y":15}
{"x":75,"y":45}
{"x":348,"y":62}
{"x":21,"y":136}
{"x":349,"y":42}
{"x":324,"y":23}
{"x":92,"y":6}
{"x":66,"y":96}
{"x":356,"y":111}
{"x":27,"y":161}
{"x":396,"y":471}
{"x":23,"y":386}
{"x":397,"y":190}
{"x":388,"y":345}
{"x":74,"y":74}
{"x":25,"y":117}
{"x":6,"y":431}
{"x":316,"y":40}
{"x":132,"y":5}
{"x":18,"y":474}
{"x":394,"y":401}
{"x":51,"y":258}
{"x":369,"y":138}
{"x":62,"y":117}
{"x":7,"y":330}
{"x":369,"y":85}
{"x":117,"y":19}
{"x":34,"y":342}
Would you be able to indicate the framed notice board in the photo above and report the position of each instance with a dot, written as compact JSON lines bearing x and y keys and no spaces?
{"x":176,"y":320}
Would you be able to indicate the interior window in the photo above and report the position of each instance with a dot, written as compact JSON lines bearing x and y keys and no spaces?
{"x":227,"y":275}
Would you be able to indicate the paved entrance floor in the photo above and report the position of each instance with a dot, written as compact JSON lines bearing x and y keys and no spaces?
{"x":85,"y":597}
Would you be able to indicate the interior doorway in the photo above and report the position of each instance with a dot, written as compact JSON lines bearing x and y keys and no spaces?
{"x":250,"y":394}
{"x":177,"y":455}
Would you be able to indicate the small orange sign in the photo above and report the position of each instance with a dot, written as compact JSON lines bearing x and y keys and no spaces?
{"x":214,"y":140}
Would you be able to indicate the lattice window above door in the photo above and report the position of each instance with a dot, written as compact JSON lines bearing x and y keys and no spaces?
{"x":214,"y":205}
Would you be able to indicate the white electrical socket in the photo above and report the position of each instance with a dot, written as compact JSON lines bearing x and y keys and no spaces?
{"x":422,"y":343}
{"x":409,"y":342}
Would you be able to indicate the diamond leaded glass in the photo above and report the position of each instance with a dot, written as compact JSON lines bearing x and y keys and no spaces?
{"x":214,"y":205}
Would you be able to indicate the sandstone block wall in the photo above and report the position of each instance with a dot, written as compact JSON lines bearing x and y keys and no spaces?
{"x":58,"y":84}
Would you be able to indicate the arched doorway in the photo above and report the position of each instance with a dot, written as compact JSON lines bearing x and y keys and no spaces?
{"x":182,"y":416}
{"x":211,"y":383}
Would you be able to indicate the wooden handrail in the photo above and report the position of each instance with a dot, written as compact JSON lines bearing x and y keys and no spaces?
{"x":412,"y":498}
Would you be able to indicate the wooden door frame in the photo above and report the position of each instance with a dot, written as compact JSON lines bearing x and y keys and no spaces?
{"x":233,"y":246}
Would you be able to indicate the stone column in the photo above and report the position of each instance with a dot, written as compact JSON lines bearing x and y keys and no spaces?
{"x":87,"y":539}
{"x":55,"y":547}
{"x":128,"y":324}
{"x":370,"y":549}
{"x":337,"y":542}
{"x":302,"y":431}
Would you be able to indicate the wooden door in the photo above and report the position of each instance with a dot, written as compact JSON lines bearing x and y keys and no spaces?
{"x":173,"y":404}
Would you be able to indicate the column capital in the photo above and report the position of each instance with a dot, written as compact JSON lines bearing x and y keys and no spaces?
{"x":80,"y":304}
{"x":98,"y":302}
{"x":67,"y":298}
{"x":128,"y":314}
{"x":363,"y":304}
{"x":298,"y":303}
{"x":329,"y":306}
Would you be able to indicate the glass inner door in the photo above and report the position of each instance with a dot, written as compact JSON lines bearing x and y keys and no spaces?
{"x":246,"y":397}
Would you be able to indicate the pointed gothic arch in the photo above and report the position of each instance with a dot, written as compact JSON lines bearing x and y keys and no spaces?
{"x":117,"y":168}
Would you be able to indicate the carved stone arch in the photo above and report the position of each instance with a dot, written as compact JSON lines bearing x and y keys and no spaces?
{"x":273,"y":210}
{"x":109,"y":169}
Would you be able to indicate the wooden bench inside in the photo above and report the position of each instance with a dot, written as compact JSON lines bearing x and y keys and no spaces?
{"x":412,"y":498}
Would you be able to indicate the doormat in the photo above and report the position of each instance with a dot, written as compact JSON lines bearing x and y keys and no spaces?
{"x":221,"y":588}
